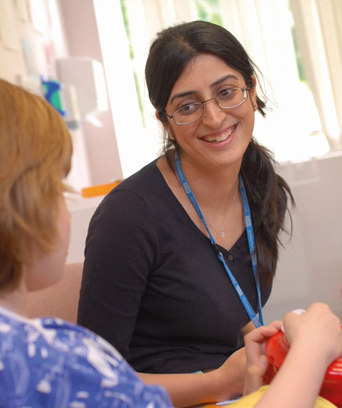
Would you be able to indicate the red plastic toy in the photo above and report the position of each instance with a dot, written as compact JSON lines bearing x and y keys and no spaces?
{"x":276,"y":349}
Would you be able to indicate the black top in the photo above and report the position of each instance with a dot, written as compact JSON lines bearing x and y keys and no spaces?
{"x":153,"y":285}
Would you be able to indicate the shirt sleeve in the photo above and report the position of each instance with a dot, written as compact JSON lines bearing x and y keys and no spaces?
{"x":52,"y":363}
{"x":120,"y":252}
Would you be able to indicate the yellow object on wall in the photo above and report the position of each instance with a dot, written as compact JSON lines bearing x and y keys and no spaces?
{"x":101,"y":189}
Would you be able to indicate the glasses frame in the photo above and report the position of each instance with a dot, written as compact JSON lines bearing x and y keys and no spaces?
{"x":245,"y":94}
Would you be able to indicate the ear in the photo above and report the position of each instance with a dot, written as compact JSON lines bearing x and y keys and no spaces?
{"x":165,"y":124}
{"x":253,"y":93}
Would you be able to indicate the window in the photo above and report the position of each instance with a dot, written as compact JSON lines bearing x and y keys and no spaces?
{"x":283,"y":37}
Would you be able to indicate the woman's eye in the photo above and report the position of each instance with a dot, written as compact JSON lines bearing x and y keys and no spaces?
{"x":188,"y":108}
{"x":227,"y":93}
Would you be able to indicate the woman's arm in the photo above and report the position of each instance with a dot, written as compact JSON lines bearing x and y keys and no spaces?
{"x":118,"y":259}
{"x":248,"y":328}
{"x":193,"y":389}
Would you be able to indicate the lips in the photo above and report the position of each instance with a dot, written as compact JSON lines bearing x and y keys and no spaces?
{"x":220,"y":138}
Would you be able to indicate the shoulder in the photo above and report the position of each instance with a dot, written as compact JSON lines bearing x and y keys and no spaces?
{"x":139,"y":197}
{"x":141,"y":187}
{"x":52,"y":358}
{"x":142,"y":179}
{"x":52,"y":340}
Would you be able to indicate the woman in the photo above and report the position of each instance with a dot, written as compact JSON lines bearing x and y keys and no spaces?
{"x":172,"y":277}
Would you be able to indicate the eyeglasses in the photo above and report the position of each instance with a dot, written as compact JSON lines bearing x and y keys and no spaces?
{"x":230,"y":98}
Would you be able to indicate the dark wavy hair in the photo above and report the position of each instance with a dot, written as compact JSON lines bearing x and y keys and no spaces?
{"x":267,"y":192}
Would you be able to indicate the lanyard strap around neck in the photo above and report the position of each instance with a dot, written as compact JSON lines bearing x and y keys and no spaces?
{"x":250,"y":236}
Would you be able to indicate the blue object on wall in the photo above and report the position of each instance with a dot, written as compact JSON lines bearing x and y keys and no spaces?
{"x":52,"y":93}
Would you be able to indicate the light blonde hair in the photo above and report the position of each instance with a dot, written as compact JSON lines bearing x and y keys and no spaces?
{"x":35,"y":156}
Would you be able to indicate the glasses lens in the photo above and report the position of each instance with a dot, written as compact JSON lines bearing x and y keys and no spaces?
{"x":230,"y":98}
{"x":188,"y":113}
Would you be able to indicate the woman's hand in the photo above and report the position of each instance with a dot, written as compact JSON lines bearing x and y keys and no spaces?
{"x":193,"y":389}
{"x":228,"y":379}
{"x":256,"y":360}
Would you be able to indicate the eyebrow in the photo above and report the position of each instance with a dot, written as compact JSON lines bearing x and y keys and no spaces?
{"x":218,"y":82}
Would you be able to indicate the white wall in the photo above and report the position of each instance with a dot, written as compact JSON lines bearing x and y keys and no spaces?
{"x":310,"y":267}
{"x":45,"y":45}
{"x":67,"y":29}
{"x":83,"y":39}
{"x":81,"y":210}
{"x":31,"y":40}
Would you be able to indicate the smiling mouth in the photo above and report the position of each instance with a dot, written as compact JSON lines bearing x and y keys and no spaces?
{"x":224,"y":136}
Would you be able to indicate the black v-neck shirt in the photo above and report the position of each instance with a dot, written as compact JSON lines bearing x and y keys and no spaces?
{"x":153,"y":285}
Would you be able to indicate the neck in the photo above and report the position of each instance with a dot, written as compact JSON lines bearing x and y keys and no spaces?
{"x":214,"y":188}
{"x":14,"y":300}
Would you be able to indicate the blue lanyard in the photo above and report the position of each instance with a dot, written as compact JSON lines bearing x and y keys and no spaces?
{"x":251,"y":243}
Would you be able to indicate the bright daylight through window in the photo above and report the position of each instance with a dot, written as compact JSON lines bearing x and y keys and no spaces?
{"x":283,"y":37}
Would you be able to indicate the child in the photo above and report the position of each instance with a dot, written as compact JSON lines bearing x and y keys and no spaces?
{"x":51,"y":363}
{"x":47,"y":362}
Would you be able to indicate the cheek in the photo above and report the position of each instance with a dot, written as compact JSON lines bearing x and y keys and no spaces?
{"x":252,"y":118}
{"x":251,"y":122}
{"x":65,"y":234}
{"x":64,"y":224}
{"x":47,"y":269}
{"x":182,"y":134}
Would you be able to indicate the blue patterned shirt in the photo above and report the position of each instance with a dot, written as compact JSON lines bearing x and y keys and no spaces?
{"x":52,"y":363}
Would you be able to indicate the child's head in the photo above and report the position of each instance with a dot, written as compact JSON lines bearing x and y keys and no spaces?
{"x":35,"y":156}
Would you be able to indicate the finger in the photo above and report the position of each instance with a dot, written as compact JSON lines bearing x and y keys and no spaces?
{"x":262,"y":333}
{"x":254,"y":341}
{"x":277,"y":324}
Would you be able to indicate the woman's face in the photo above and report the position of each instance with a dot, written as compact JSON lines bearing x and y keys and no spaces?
{"x":47,"y":269}
{"x":221,"y":136}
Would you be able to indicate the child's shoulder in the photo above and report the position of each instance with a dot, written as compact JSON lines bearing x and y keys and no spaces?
{"x":45,"y":359}
{"x":51,"y":332}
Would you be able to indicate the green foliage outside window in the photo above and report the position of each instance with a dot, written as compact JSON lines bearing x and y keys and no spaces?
{"x":131,"y":54}
{"x":209,"y":10}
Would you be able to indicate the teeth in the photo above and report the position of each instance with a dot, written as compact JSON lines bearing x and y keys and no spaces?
{"x":221,"y":138}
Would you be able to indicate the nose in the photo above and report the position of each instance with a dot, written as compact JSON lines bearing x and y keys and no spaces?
{"x":213,"y":115}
